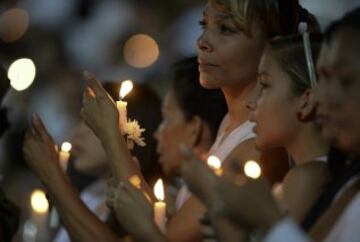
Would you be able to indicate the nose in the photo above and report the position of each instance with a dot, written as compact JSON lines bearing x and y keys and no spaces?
{"x":251,"y":101}
{"x":203,"y":44}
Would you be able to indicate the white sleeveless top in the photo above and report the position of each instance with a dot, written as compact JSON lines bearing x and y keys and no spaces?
{"x":222,"y":147}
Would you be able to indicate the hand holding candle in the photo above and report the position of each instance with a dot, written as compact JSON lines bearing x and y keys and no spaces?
{"x":160,"y":206}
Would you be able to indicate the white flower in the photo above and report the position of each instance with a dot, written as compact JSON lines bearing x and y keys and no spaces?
{"x":133,"y":133}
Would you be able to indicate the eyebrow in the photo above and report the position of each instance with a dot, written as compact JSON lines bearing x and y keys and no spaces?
{"x":220,"y":16}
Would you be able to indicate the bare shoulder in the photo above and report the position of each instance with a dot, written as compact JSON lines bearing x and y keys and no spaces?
{"x":184,"y":225}
{"x":304,"y":181}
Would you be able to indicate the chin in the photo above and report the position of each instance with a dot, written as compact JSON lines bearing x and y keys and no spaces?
{"x":208,"y":82}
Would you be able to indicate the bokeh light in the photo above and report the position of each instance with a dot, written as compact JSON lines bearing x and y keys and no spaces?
{"x":252,"y":169}
{"x":141,"y":51}
{"x":13,"y":24}
{"x":39,"y":203}
{"x":66,"y":146}
{"x":22,"y":74}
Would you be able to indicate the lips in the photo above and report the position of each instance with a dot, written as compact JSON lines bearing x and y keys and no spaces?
{"x":205,"y":65}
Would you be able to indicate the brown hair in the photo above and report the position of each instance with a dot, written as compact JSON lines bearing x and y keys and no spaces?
{"x":289,"y":54}
{"x":276,"y":17}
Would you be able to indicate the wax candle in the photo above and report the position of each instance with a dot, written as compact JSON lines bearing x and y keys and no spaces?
{"x":215,"y":164}
{"x":160,"y":206}
{"x":64,"y":155}
{"x":126,"y":87}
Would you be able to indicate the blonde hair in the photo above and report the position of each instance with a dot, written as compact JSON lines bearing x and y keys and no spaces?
{"x":276,"y":17}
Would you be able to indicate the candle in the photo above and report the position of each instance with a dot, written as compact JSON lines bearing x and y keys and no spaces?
{"x":215,"y":164}
{"x":252,"y":169}
{"x":40,"y":207}
{"x":64,"y":155}
{"x":126,"y":87}
{"x":160,"y":206}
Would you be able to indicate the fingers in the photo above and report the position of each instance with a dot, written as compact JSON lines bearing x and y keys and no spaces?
{"x":94,"y":85}
{"x":40,"y":129}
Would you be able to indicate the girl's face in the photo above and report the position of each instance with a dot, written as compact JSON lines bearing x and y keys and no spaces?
{"x":228,"y":58}
{"x":273,"y":106}
{"x":338,"y":90}
{"x":173,"y":131}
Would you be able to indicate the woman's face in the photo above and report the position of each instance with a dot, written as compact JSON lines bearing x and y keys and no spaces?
{"x":173,"y":131}
{"x":273,"y":105}
{"x":338,"y":90}
{"x":89,"y":155}
{"x":228,"y":58}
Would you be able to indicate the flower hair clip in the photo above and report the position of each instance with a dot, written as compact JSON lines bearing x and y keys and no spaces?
{"x":303,"y":30}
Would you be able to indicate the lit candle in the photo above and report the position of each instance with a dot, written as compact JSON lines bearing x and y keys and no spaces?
{"x":252,"y":169}
{"x":126,"y":87}
{"x":160,"y":205}
{"x":215,"y":164}
{"x":64,"y":155}
{"x":40,"y":207}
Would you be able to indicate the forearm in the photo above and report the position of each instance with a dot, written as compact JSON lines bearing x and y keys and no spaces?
{"x":121,"y":161}
{"x":79,"y":221}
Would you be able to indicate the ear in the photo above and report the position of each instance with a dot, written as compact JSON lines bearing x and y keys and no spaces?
{"x":307,"y":106}
{"x":196,"y":130}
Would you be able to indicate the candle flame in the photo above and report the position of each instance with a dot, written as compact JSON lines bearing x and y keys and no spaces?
{"x":214,"y":162}
{"x":66,"y":146}
{"x":38,"y":200}
{"x":159,"y":190}
{"x":125,"y":89}
{"x":252,"y":169}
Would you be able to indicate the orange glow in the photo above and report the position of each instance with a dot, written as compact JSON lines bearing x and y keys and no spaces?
{"x":141,"y":51}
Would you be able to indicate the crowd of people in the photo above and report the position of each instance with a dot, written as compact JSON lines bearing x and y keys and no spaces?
{"x":267,"y":86}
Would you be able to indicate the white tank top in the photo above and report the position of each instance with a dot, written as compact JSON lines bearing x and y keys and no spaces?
{"x":223,"y":146}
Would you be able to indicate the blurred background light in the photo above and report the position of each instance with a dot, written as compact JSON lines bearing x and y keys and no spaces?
{"x":22,"y":73}
{"x":141,"y":51}
{"x":13,"y":24}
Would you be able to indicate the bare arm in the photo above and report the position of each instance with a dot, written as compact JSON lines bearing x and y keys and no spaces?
{"x":42,"y":157}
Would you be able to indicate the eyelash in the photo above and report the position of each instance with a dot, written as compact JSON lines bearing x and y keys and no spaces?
{"x":202,"y":24}
{"x":223,"y":28}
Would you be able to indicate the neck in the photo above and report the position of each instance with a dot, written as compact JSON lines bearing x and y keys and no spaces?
{"x":307,"y":146}
{"x":235,"y":100}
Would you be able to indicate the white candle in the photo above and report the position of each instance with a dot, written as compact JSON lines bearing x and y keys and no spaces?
{"x":126,"y":87}
{"x":160,"y":206}
{"x":215,"y":164}
{"x":121,"y":106}
{"x":64,"y":155}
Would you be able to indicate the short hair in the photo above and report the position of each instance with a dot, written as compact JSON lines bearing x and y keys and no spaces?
{"x":195,"y":100}
{"x":276,"y":17}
